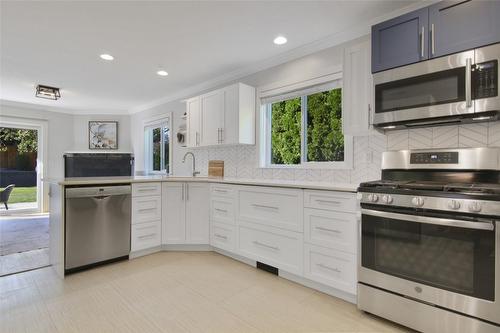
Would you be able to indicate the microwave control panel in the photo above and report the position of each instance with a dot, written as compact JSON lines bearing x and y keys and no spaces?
{"x":485,"y":79}
{"x":446,"y":157}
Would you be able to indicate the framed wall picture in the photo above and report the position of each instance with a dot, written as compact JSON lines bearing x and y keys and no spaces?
{"x":103,"y":135}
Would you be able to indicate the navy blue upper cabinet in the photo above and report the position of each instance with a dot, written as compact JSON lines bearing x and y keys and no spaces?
{"x":400,"y":41}
{"x":459,"y":26}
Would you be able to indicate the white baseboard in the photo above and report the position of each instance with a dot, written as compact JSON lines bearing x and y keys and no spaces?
{"x":319,"y":286}
{"x":187,"y":247}
{"x":145,"y":252}
{"x":234,"y":256}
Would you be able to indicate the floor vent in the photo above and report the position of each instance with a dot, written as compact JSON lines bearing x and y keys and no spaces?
{"x":267,"y":268}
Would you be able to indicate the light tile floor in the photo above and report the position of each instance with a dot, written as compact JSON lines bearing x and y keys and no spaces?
{"x":174,"y":292}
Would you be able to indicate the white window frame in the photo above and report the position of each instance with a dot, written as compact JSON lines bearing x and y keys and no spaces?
{"x":161,"y":121}
{"x":335,"y":79}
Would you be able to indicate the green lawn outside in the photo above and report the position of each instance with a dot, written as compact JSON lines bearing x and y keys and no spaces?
{"x":22,"y":194}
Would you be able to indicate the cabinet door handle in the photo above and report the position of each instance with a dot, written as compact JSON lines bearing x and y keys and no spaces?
{"x":433,"y":39}
{"x":221,"y":135}
{"x":220,"y":236}
{"x":147,"y":189}
{"x":330,"y":230}
{"x":220,"y":210}
{"x":182,"y":195}
{"x":220,"y":191}
{"x":369,"y":114}
{"x":334,"y":269}
{"x":187,"y":192}
{"x":267,"y":246}
{"x":265,"y":207}
{"x":218,"y":135}
{"x":422,"y":42}
{"x":197,"y":139}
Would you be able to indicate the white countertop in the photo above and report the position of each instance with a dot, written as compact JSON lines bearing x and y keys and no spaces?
{"x":344,"y":187}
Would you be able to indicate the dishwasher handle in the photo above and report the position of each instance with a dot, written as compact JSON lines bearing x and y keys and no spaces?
{"x":100,"y":191}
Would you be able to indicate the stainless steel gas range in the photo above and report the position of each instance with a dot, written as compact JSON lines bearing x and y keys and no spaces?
{"x":430,"y":240}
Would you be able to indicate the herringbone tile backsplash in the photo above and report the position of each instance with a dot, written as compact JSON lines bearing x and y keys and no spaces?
{"x":242,"y":161}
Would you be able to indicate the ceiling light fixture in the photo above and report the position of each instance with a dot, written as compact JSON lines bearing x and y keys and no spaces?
{"x":107,"y":57}
{"x":280,"y":40}
{"x":47,"y":92}
{"x":161,"y":72}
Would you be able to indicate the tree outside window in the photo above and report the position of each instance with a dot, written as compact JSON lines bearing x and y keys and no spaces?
{"x":307,"y":129}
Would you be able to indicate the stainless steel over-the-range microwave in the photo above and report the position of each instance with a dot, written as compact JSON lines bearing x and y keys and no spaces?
{"x":459,"y":88}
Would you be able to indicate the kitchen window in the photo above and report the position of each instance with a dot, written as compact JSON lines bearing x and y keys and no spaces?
{"x":304,"y":129}
{"x":158,"y":146}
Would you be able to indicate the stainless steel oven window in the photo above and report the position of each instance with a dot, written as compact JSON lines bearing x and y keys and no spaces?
{"x":461,"y":260}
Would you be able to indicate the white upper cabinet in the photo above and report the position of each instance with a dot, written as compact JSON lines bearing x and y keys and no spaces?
{"x":357,"y":97}
{"x":222,"y":117}
{"x":212,"y":117}
{"x":193,"y":121}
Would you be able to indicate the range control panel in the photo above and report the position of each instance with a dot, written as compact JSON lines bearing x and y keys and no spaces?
{"x":446,"y":157}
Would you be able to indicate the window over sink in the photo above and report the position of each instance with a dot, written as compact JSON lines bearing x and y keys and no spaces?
{"x":303,"y":128}
{"x":158,"y":146}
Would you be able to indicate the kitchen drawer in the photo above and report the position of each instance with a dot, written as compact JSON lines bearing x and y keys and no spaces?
{"x":145,"y":235}
{"x":225,"y":191}
{"x":333,"y":268}
{"x":331,"y":229}
{"x":146,"y":189}
{"x":223,"y":236}
{"x":282,"y":208}
{"x":275,"y":247}
{"x":222,"y":210}
{"x":146,"y":209}
{"x":330,"y":200}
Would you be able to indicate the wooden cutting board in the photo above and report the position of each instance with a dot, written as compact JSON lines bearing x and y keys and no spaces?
{"x":215,"y":169}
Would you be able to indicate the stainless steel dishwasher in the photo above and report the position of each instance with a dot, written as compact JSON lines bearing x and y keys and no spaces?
{"x":97,"y":225}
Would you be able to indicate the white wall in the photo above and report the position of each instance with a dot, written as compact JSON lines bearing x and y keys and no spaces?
{"x":81,"y":132}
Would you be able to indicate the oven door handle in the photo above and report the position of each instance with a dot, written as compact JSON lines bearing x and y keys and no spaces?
{"x":430,"y":220}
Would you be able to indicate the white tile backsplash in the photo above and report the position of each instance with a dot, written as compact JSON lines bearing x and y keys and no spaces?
{"x":242,"y":161}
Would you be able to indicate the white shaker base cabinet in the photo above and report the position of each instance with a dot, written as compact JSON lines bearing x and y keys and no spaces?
{"x":185,"y":218}
{"x":145,"y":230}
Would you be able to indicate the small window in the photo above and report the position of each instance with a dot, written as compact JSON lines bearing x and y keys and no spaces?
{"x":157,"y":139}
{"x":306,"y":130}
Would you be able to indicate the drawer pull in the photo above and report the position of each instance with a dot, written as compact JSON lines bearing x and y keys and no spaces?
{"x":146,"y":236}
{"x":328,"y":202}
{"x":220,"y":191}
{"x":267,"y":246}
{"x":220,"y":236}
{"x":220,"y":210}
{"x":265,"y":207}
{"x":142,"y":210}
{"x":330,"y":230}
{"x":144,"y":228}
{"x":336,"y":270}
{"x":147,"y":189}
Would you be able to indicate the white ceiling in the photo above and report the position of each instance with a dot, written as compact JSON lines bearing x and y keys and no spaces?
{"x":58,"y":44}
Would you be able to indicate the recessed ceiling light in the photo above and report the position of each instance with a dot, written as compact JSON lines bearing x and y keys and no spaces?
{"x":108,"y":57}
{"x":161,"y":72}
{"x":280,"y":40}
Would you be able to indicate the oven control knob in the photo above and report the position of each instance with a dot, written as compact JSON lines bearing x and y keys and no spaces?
{"x":475,"y":207}
{"x":387,"y":199}
{"x":454,"y":204}
{"x":372,"y":197}
{"x":417,"y":201}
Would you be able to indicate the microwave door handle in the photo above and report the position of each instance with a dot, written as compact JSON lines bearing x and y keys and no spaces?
{"x":468,"y":82}
{"x":430,"y":220}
